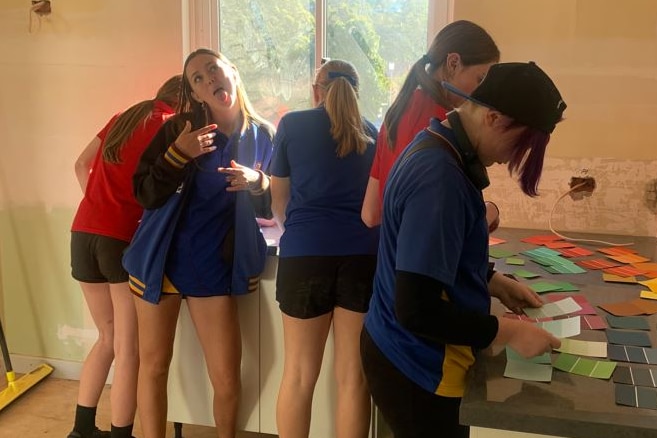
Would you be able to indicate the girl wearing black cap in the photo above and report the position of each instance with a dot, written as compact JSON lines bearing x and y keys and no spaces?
{"x":430,"y":311}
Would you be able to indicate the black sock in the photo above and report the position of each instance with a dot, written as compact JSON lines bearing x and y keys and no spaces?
{"x":85,"y":420}
{"x":122,"y":432}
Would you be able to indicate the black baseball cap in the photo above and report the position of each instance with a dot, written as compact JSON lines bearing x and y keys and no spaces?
{"x":520,"y":90}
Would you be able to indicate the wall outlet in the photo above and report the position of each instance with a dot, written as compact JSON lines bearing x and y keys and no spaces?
{"x":41,"y":7}
{"x":581,"y":187}
{"x":650,"y":196}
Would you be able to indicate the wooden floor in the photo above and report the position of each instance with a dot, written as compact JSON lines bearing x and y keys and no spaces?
{"x":48,"y":409}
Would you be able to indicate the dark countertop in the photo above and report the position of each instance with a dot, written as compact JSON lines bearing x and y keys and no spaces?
{"x":571,"y":405}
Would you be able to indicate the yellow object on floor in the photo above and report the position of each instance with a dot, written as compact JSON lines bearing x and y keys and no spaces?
{"x":18,"y":386}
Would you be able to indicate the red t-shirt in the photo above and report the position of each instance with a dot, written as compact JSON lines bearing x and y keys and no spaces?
{"x":109,"y":207}
{"x":419,"y":112}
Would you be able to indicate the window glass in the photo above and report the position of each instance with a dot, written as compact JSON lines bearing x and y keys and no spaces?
{"x":272,"y":42}
{"x":382,"y":38}
{"x":273,"y":45}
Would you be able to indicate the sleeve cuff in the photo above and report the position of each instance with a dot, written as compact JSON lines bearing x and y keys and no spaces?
{"x":258,"y":188}
{"x":175,"y":157}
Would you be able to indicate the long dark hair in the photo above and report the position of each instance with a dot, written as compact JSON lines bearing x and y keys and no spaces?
{"x":126,"y":123}
{"x":199,"y":115}
{"x":473,"y":44}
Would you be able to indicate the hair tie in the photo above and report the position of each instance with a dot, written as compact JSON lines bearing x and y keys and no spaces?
{"x":425,"y":59}
{"x":336,"y":74}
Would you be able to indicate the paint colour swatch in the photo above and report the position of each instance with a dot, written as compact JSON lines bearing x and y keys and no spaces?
{"x":584,"y":367}
{"x":562,"y":328}
{"x":652,"y":284}
{"x":592,"y":322}
{"x":636,"y":396}
{"x":525,"y":370}
{"x":523,"y":273}
{"x":562,"y":307}
{"x":628,"y":322}
{"x":626,"y":353}
{"x":628,"y":337}
{"x":635,"y":376}
{"x":583,"y":348}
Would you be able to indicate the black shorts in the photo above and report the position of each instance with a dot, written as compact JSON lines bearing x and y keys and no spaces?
{"x":307,"y":287}
{"x":97,"y":259}
{"x":408,"y":409}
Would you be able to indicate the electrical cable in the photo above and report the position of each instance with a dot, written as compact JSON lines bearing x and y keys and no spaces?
{"x":572,"y":239}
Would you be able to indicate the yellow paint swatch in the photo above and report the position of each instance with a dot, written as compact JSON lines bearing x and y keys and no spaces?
{"x":648,"y":294}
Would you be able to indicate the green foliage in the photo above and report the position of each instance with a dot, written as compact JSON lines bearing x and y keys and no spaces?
{"x":273,"y":44}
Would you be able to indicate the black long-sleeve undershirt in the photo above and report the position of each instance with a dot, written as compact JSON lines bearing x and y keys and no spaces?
{"x":420,"y":309}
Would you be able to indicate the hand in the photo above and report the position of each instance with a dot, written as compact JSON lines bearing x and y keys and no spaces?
{"x":513,"y":294}
{"x":240,"y":177}
{"x":492,"y":216}
{"x":526,"y":338}
{"x":198,"y":142}
{"x":265,"y":222}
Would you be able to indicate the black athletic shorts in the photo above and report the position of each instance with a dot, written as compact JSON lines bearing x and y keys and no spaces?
{"x":307,"y":287}
{"x":97,"y":259}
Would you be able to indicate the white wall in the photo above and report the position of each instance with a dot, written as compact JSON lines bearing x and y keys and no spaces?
{"x":60,"y":84}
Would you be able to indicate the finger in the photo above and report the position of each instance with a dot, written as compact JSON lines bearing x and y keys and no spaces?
{"x":207,"y":149}
{"x":535,"y":300}
{"x":205,"y":129}
{"x":555,"y":342}
{"x":235,"y":165}
{"x":187,"y":128}
{"x":229,"y":171}
{"x":209,"y":136}
{"x":237,"y":188}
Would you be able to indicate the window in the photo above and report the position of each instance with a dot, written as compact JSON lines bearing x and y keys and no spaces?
{"x":274,"y":45}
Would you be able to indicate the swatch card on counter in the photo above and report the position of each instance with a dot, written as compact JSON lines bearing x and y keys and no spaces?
{"x":635,"y":376}
{"x":627,"y":353}
{"x":636,"y":396}
{"x":628,"y":322}
{"x":584,"y":367}
{"x":536,"y":369}
{"x":562,"y":328}
{"x":557,"y":308}
{"x":583,"y":348}
{"x":628,"y":337}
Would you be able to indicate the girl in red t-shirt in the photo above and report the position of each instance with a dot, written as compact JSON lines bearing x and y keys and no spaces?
{"x":104,"y":224}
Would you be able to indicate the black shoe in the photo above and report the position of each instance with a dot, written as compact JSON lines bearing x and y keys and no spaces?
{"x":102,"y":433}
{"x":97,"y":433}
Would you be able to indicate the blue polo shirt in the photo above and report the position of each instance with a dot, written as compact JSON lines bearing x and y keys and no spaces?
{"x":434,"y":224}
{"x":326,"y":192}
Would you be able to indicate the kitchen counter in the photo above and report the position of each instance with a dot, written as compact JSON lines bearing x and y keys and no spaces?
{"x":571,"y":405}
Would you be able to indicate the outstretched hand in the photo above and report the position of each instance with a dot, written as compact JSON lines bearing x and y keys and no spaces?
{"x":513,"y":294}
{"x":525,"y":338}
{"x":197,"y":142}
{"x":239,"y":177}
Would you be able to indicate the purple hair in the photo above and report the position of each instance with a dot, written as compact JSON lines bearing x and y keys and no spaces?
{"x":527,"y":159}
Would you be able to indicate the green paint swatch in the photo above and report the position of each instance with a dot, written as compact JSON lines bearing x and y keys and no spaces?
{"x":584,"y":367}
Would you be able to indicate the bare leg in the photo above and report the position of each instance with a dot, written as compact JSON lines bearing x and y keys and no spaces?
{"x":123,"y":395}
{"x":353,"y":406}
{"x":304,"y":341}
{"x":99,"y":360}
{"x":157,"y":329}
{"x":218,"y":329}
